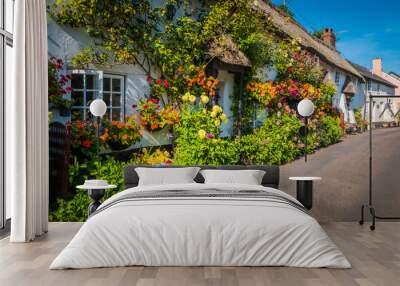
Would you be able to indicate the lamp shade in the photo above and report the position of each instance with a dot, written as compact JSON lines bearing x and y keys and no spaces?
{"x":305,"y":107}
{"x":98,"y":107}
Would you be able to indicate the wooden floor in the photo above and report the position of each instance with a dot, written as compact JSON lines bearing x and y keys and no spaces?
{"x":375,"y":257}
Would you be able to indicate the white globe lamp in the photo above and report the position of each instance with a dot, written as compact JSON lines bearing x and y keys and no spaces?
{"x":305,"y":109}
{"x":98,"y":107}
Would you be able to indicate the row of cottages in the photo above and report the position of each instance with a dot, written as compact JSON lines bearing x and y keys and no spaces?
{"x":384,"y":110}
{"x":350,"y":94}
{"x":121,"y":86}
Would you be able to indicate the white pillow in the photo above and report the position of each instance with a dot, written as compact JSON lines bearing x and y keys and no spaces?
{"x":247,"y":177}
{"x":166,"y":176}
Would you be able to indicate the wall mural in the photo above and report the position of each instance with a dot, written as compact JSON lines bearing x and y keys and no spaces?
{"x":185,"y":83}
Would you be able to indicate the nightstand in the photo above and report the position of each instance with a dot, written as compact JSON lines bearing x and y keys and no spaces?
{"x":96,"y":193}
{"x":304,"y":190}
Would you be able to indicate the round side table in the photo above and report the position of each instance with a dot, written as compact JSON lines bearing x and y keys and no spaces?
{"x":304,"y":190}
{"x":96,"y":193}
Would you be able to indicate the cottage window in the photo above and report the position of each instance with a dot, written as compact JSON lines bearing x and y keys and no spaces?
{"x":89,"y":85}
{"x":368,"y":85}
{"x":337,"y":78}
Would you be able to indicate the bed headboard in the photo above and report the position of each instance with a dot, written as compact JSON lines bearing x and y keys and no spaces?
{"x":271,"y":177}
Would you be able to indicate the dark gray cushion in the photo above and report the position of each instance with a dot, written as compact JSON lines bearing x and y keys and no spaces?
{"x":270,"y":179}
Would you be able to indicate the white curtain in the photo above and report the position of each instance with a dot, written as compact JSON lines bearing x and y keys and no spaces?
{"x":27,"y":124}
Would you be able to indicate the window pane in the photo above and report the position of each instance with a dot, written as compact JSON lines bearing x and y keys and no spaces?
{"x":91,"y":81}
{"x":106,"y":84}
{"x":106,"y":98}
{"x":90,"y":95}
{"x":77,"y":98}
{"x":76,"y":114}
{"x":9,"y":13}
{"x":116,"y":114}
{"x":77,"y":81}
{"x":116,"y":100}
{"x":116,"y":84}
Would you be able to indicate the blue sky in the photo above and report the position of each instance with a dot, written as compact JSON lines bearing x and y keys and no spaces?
{"x":365,"y":28}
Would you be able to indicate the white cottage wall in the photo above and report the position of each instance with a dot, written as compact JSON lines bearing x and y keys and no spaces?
{"x":65,"y":43}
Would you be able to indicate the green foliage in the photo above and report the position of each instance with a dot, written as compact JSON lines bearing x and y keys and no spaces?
{"x":333,"y":131}
{"x":76,"y":208}
{"x":275,"y":142}
{"x":198,"y":141}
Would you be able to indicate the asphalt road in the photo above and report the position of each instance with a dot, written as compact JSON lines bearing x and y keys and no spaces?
{"x":344,"y":171}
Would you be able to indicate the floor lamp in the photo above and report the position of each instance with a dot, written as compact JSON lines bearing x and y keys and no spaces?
{"x":98,"y":108}
{"x":305,"y":108}
{"x":370,"y":205}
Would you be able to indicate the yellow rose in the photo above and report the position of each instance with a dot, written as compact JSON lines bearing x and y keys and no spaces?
{"x":217,"y":122}
{"x":192,"y":99}
{"x":186,"y":96}
{"x":213,"y":114}
{"x":224,"y":118}
{"x":204,"y":111}
{"x":217,"y":108}
{"x":204,"y":99}
{"x":202,"y":134}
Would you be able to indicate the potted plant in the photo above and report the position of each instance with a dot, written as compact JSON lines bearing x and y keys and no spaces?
{"x":153,"y":117}
{"x":120,"y":135}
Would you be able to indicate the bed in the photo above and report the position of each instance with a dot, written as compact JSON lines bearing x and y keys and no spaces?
{"x":197,"y":224}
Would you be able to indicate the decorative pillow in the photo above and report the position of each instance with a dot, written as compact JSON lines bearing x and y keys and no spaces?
{"x":166,"y":176}
{"x":247,"y":177}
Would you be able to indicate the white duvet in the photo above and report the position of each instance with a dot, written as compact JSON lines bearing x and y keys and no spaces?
{"x":202,"y":232}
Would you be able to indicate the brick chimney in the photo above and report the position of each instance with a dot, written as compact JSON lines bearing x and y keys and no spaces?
{"x":329,"y":37}
{"x":377,"y":66}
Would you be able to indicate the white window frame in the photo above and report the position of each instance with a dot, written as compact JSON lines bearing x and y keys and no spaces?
{"x":111,"y":107}
{"x":100,"y":91}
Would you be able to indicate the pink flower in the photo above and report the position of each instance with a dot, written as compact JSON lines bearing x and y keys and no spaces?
{"x":210,"y":136}
{"x":166,"y":84}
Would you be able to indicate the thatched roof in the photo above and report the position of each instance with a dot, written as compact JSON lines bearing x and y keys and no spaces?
{"x":294,"y":30}
{"x":225,"y":49}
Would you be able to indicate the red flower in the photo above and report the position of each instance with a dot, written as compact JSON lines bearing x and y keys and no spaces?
{"x":86,"y":143}
{"x":149,"y":78}
{"x":168,"y":161}
{"x":153,"y":100}
{"x":158,"y":81}
{"x":166,"y":83}
{"x":145,"y":106}
{"x":290,"y":69}
{"x":68,"y":89}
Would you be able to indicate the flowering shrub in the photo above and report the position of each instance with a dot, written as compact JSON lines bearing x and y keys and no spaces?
{"x":153,"y":117}
{"x":276,"y":142}
{"x":58,"y":85}
{"x":121,"y":135}
{"x":148,"y":156}
{"x":199,"y":141}
{"x":294,"y":63}
{"x":189,"y":80}
{"x":285,"y":92}
{"x":83,"y":139}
